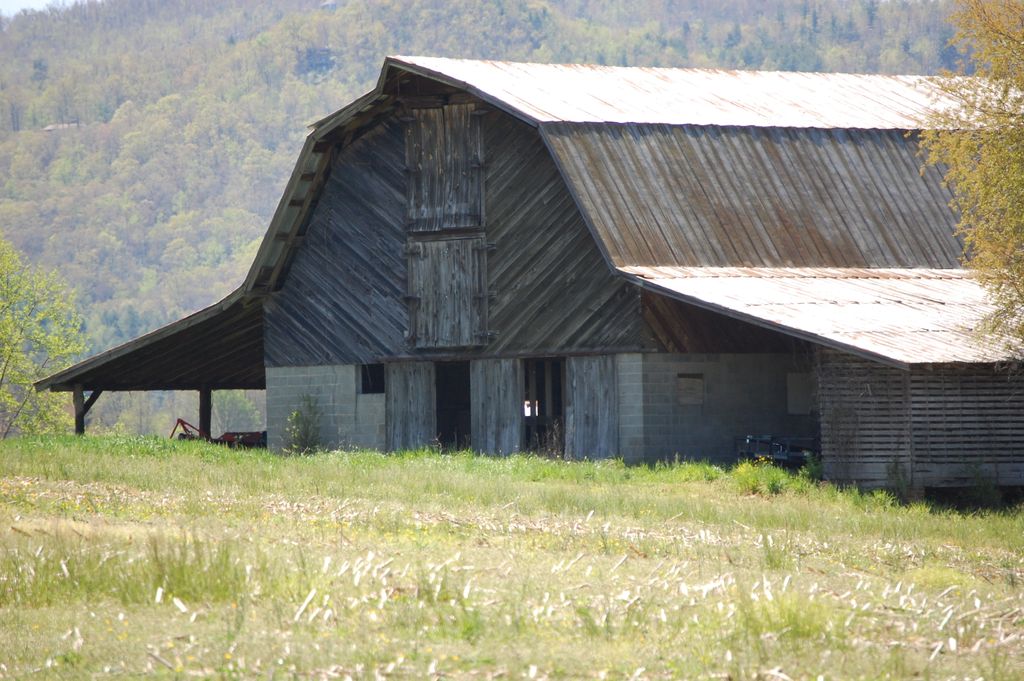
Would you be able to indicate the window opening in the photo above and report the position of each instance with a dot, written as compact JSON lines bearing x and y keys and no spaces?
{"x":543,"y":405}
{"x":371,"y":379}
{"x":453,"y":404}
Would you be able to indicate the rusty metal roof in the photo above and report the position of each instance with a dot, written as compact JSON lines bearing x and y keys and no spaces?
{"x":708,"y":196}
{"x":898,"y":316}
{"x":544,"y":93}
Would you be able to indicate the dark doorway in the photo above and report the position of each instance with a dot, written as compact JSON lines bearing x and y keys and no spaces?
{"x":543,"y":405}
{"x":453,"y":412}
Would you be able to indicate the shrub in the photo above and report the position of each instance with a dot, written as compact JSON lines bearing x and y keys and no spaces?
{"x":303,"y":429}
{"x":757,"y":477}
{"x":813,"y":469}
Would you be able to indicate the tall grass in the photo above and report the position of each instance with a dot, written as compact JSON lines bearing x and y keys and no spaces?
{"x":67,"y":568}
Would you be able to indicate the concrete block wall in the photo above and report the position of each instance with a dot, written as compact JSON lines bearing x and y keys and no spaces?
{"x":348,"y":419}
{"x":630,"y":385}
{"x":741,"y":394}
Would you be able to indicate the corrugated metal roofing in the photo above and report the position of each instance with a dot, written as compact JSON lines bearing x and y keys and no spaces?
{"x":905,"y":316}
{"x":607,"y":94}
{"x":754,"y":197}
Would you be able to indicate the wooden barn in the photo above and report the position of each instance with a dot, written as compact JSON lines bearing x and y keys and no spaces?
{"x":597,"y":261}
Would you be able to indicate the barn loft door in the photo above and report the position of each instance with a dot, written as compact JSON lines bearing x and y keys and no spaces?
{"x":444,"y":155}
{"x":446,"y":248}
{"x":447,"y":292}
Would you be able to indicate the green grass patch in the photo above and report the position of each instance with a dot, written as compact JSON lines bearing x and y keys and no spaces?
{"x":137,"y":556}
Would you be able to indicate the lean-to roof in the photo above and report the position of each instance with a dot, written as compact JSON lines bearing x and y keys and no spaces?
{"x":218,"y":347}
{"x":897,"y":316}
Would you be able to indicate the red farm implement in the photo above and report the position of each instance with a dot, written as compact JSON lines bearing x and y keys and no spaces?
{"x":186,"y":431}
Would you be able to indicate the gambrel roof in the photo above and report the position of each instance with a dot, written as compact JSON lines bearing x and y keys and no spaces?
{"x":690,"y":169}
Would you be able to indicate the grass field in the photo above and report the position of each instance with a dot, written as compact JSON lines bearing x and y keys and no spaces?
{"x":128,"y":556}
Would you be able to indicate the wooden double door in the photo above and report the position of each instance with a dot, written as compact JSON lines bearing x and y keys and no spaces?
{"x":498,"y":406}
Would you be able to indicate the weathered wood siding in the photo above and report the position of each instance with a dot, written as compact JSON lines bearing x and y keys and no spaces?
{"x":548,"y":290}
{"x":967,"y":424}
{"x":342,"y":301}
{"x":591,"y":410}
{"x":411,"y":405}
{"x":551,"y":290}
{"x":444,"y":155}
{"x":497,"y":412}
{"x":447,"y":299}
{"x":865,"y":429}
{"x":944,"y":425}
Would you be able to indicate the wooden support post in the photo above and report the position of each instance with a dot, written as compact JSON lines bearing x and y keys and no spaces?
{"x":82,"y":406}
{"x":93,"y":396}
{"x":78,"y":398}
{"x":205,"y":412}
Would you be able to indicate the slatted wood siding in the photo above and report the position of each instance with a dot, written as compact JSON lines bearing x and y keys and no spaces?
{"x":411,"y":407}
{"x":497,"y":405}
{"x":445,"y":159}
{"x":865,"y":427}
{"x":342,"y":301}
{"x":945,"y":425}
{"x":967,"y":422}
{"x":591,"y":410}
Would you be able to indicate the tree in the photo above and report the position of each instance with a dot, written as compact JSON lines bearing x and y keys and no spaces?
{"x":980,"y":141}
{"x":39,"y":334}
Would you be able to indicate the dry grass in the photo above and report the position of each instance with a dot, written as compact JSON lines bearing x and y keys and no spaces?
{"x":142,"y":556}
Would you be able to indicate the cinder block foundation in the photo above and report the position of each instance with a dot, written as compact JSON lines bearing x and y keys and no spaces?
{"x":348,"y":419}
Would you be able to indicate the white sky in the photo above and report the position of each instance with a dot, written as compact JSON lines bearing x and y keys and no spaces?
{"x":12,"y":7}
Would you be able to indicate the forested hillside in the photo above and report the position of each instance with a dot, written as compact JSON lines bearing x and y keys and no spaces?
{"x":144,"y":143}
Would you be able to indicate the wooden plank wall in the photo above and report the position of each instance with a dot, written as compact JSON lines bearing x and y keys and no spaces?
{"x":865,"y":425}
{"x":967,"y":424}
{"x":551,"y":290}
{"x":945,"y":425}
{"x":411,"y":405}
{"x":343,"y":299}
{"x":681,"y":327}
{"x":497,"y":405}
{"x":591,"y":416}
